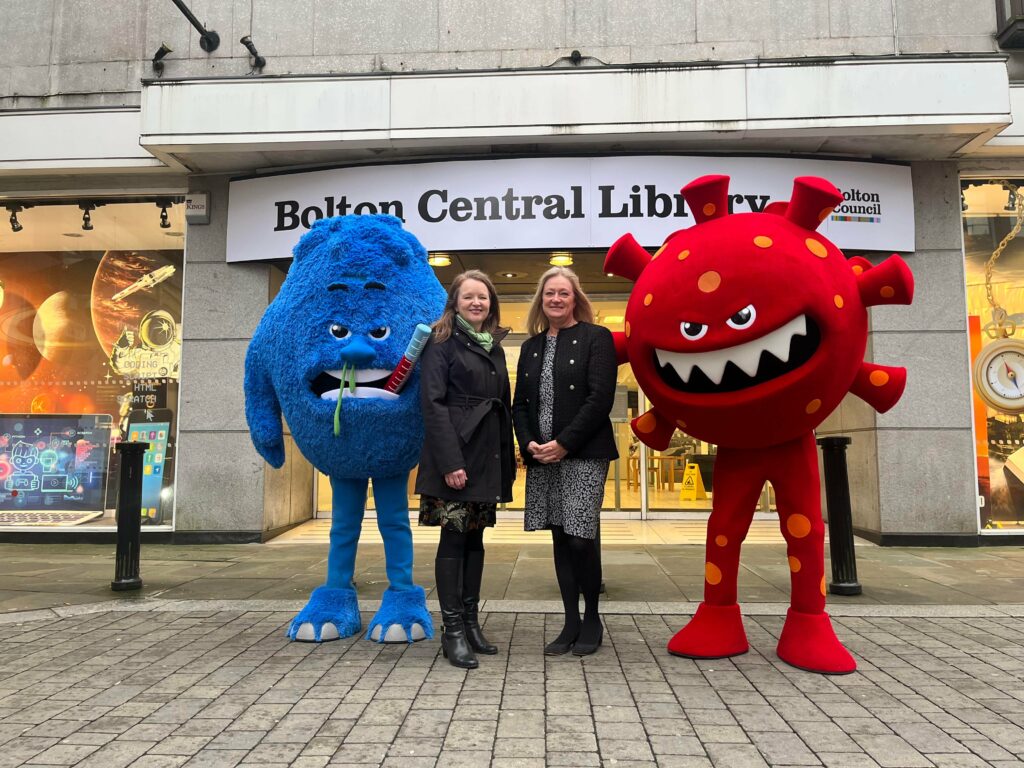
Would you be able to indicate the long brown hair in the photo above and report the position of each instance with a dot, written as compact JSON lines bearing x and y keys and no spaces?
{"x":537,"y":321}
{"x":446,"y":323}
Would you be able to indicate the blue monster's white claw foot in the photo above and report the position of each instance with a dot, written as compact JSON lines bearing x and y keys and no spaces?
{"x":330,"y":613}
{"x":402,"y":618}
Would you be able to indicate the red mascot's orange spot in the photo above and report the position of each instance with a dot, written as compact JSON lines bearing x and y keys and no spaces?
{"x":798,"y":526}
{"x":721,"y":540}
{"x":887,"y":292}
{"x":857,"y":269}
{"x":712,"y":573}
{"x":838,"y":301}
{"x":709,"y":209}
{"x":822,"y":586}
{"x":761,"y":241}
{"x":648,"y":299}
{"x":813,"y":406}
{"x":709,"y":282}
{"x":879,"y":378}
{"x":657,"y":253}
{"x":646,"y":423}
{"x":825,"y":213}
{"x":794,"y":564}
{"x":816,"y":247}
{"x":627,"y":329}
{"x":683,"y":255}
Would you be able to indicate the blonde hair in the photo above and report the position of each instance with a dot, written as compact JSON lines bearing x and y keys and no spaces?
{"x":446,"y":323}
{"x":537,"y":321}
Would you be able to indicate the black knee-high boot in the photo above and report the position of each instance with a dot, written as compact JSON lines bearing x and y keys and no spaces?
{"x":472,"y":576}
{"x":569,"y":590}
{"x":454,"y":645}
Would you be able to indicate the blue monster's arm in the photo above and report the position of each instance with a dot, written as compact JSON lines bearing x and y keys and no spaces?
{"x":262,"y":409}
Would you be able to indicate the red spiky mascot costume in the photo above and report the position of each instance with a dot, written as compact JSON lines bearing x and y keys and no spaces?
{"x":746,"y":331}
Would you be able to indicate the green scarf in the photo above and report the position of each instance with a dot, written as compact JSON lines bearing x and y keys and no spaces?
{"x":483,"y":338}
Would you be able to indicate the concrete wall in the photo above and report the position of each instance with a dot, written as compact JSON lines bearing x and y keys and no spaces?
{"x":910,"y":468}
{"x":65,"y":53}
{"x":222,"y":483}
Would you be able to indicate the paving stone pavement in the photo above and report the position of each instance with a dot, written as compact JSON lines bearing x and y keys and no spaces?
{"x":218,"y":687}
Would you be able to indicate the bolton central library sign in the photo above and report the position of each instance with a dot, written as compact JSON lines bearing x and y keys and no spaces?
{"x":557,"y":202}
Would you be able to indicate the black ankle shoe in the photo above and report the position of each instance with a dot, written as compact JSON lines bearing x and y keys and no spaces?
{"x":560,"y":646}
{"x":588,"y":644}
{"x":457,"y":650}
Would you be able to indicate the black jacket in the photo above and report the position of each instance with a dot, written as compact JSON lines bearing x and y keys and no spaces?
{"x":465,"y":396}
{"x":585,"y":375}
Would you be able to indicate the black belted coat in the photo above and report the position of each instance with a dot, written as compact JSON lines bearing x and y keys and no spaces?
{"x":467,"y":417}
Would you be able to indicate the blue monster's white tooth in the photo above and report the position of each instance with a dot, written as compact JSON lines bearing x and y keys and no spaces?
{"x":330,"y":395}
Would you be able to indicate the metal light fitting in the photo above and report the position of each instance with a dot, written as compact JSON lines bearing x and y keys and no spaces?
{"x":208,"y":39}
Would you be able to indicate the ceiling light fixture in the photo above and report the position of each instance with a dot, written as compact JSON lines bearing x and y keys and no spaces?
{"x":258,"y":62}
{"x":158,"y":64}
{"x":87,"y":209}
{"x":15,"y":209}
{"x":439,"y":260}
{"x":560,"y":259}
{"x":163,"y":205}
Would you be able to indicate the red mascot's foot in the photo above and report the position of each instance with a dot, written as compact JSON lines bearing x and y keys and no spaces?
{"x":808,"y":642}
{"x":714,"y":632}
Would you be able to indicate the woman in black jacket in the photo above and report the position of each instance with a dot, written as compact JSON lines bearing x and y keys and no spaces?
{"x":564,"y":392}
{"x":468,"y":459}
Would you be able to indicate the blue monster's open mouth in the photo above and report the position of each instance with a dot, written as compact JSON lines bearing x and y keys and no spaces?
{"x":369,"y":383}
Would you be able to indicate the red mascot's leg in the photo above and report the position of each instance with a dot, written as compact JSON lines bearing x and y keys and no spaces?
{"x":808,"y":640}
{"x":716,"y":629}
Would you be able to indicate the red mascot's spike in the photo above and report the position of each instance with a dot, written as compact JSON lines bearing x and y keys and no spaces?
{"x":621,"y":356}
{"x":880,"y":386}
{"x":626,"y":258}
{"x":859,"y":264}
{"x":778,"y":207}
{"x":653,"y":429}
{"x":708,"y":197}
{"x":891,"y":282}
{"x":812,"y":202}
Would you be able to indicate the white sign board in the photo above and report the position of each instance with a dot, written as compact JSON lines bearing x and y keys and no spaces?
{"x":558,"y":203}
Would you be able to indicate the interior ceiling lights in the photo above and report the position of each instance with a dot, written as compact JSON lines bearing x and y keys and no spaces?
{"x":439,"y":260}
{"x":88,"y":206}
{"x":560,"y":259}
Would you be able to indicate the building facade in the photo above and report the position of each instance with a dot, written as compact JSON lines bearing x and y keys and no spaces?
{"x":155,"y":181}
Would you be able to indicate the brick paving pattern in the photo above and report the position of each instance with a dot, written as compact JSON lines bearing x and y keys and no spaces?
{"x":225,"y":688}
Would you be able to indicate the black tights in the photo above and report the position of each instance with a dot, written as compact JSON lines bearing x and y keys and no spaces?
{"x":454,"y":544}
{"x":578,"y":569}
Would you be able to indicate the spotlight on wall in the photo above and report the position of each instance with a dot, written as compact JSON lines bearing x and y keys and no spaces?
{"x":439,"y":260}
{"x":158,"y":58}
{"x":208,"y":39}
{"x":163,"y":205}
{"x":87,"y":209}
{"x":258,"y":62}
{"x":16,"y":226}
{"x":560,"y":259}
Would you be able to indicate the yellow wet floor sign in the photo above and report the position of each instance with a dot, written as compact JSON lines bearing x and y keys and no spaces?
{"x":693,"y":485}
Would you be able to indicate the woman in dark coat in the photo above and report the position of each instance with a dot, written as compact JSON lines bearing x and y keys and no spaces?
{"x":468,"y":459}
{"x":565,"y":388}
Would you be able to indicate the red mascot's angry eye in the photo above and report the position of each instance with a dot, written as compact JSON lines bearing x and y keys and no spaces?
{"x":746,"y":331}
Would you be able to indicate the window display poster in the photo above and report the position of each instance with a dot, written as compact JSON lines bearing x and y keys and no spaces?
{"x":153,"y":427}
{"x":54,"y":461}
{"x":94,"y":332}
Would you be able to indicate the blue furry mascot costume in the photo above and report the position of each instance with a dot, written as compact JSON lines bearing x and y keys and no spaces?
{"x":323,"y":354}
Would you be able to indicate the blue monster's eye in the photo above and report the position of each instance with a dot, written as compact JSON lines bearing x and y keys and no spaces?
{"x":340,"y":331}
{"x":380,"y":333}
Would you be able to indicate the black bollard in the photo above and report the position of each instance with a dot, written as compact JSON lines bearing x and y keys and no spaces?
{"x":129,"y":517}
{"x":840,"y":518}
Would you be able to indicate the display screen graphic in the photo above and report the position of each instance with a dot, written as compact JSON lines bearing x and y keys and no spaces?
{"x":54,"y":461}
{"x":152,"y":426}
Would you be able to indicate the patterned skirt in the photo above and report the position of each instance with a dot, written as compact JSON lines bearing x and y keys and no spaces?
{"x":567,"y":494}
{"x":459,"y":516}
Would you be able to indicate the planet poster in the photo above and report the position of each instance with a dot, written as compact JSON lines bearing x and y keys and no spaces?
{"x":90,"y":333}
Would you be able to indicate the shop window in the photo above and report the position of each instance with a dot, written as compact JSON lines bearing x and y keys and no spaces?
{"x":1010,"y":23}
{"x":90,"y":347}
